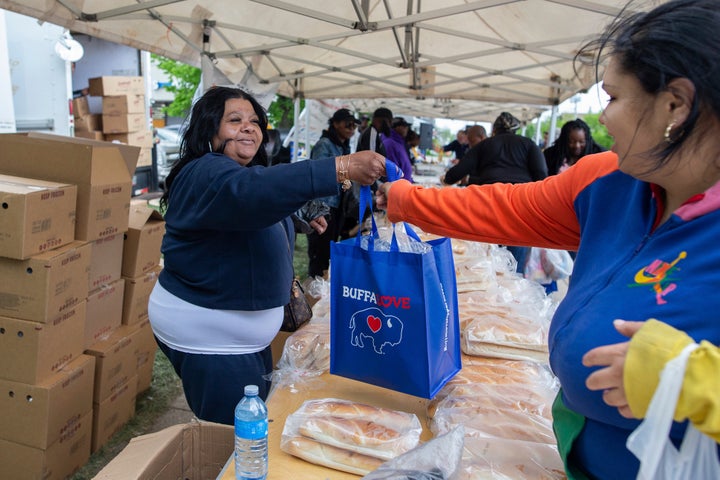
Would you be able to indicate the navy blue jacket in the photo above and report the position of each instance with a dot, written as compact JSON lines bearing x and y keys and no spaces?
{"x":225,"y":245}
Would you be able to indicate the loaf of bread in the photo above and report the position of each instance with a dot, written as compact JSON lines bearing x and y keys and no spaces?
{"x":334,"y":407}
{"x":365,"y":429}
{"x":358,"y":435}
{"x":532,"y":398}
{"x":308,"y":349}
{"x":329,"y":456}
{"x":502,"y":459}
{"x":495,"y":423}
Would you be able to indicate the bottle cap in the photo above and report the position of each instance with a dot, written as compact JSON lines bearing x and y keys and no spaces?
{"x":251,"y":390}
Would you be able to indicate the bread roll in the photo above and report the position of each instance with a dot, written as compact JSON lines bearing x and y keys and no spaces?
{"x":393,"y":419}
{"x":330,"y":456}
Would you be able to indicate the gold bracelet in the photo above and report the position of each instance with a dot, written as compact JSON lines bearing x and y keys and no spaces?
{"x":344,"y":173}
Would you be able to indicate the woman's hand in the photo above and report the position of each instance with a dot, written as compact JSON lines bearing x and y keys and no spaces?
{"x":319,"y":224}
{"x":364,"y":167}
{"x":610,"y":378}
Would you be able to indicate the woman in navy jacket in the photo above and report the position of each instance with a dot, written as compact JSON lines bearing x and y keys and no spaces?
{"x":227,"y":250}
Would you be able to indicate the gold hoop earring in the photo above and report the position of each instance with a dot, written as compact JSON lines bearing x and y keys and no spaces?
{"x":669,"y":128}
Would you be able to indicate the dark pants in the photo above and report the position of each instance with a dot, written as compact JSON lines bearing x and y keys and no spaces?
{"x":214,"y":384}
{"x":318,"y":245}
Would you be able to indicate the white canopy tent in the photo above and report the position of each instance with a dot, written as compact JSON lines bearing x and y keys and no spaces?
{"x":456,"y":59}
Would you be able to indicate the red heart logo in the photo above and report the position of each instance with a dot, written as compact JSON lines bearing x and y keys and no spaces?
{"x":374,"y":323}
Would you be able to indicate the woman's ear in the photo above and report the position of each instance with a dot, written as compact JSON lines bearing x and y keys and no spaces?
{"x":681,"y":94}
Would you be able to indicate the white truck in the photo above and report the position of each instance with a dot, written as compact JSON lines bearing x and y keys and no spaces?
{"x":35,"y":82}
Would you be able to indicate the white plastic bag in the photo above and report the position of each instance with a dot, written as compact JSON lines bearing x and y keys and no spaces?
{"x":546,"y":264}
{"x":659,"y":459}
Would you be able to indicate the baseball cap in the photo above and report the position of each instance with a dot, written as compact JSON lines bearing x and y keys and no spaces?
{"x":383,"y":112}
{"x":342,"y":115}
{"x":400,"y":122}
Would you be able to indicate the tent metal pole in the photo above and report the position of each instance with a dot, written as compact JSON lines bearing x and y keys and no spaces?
{"x":296,"y":118}
{"x":553,"y":127}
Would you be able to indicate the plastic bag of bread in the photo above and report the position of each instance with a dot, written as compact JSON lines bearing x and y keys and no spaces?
{"x":530,"y":398}
{"x":307,"y":349}
{"x":483,"y":422}
{"x":502,"y":459}
{"x":348,"y":436}
{"x":437,"y":459}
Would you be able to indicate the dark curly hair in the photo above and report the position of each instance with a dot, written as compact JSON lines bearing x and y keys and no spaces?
{"x":203,"y":124}
{"x":677,"y":39}
{"x":559,"y":151}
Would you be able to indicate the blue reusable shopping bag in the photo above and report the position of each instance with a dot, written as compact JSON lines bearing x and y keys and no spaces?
{"x":394,"y":315}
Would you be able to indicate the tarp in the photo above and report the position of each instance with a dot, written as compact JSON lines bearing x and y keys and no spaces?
{"x":457,"y":59}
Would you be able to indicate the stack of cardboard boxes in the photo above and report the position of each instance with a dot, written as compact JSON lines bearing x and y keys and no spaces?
{"x":124,"y":116}
{"x":75,"y":343}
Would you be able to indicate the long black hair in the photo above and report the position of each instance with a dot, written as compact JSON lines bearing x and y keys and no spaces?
{"x":559,"y":151}
{"x":203,"y":125}
{"x":677,"y":39}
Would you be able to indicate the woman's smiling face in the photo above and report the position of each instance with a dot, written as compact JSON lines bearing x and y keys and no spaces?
{"x":239,"y":131}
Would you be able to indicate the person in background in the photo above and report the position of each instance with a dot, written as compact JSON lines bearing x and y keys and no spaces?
{"x":364,"y":123}
{"x":227,"y":249}
{"x":333,"y":142}
{"x":475,"y":135}
{"x":505,"y":157}
{"x":458,"y":146}
{"x":412,"y":141}
{"x":544,"y":141}
{"x":632,"y":371}
{"x":643,"y":217}
{"x":575,"y":141}
{"x":380,"y":128}
{"x":395,"y":147}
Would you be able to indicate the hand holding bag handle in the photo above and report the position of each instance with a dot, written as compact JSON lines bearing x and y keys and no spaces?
{"x":649,"y":442}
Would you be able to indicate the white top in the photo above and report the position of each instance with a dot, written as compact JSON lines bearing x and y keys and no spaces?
{"x":190,"y":328}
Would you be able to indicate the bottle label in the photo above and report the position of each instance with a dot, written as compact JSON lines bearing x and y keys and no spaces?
{"x":251,"y":430}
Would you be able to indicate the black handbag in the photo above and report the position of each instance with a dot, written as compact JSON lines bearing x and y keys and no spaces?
{"x":298,"y":311}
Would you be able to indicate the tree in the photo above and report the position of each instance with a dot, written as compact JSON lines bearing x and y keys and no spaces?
{"x":184,"y":80}
{"x":281,"y":112}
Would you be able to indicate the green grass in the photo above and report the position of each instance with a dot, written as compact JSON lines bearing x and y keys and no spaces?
{"x":165,"y":388}
{"x":300,"y":256}
{"x":150,"y":405}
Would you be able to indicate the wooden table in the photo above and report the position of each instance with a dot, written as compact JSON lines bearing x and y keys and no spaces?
{"x":282,"y":402}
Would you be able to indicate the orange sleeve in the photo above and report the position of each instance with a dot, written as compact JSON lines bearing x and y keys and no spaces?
{"x":538,"y":214}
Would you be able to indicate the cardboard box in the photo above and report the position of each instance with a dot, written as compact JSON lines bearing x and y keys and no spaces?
{"x":102,"y":172}
{"x":45,"y":285}
{"x":145,"y":351}
{"x":95,"y":135}
{"x":141,"y":138}
{"x":57,"y":462}
{"x":31,"y":352}
{"x":105,"y":261}
{"x":104,"y":312}
{"x":91,"y":122}
{"x":145,"y":157}
{"x":116,"y":85}
{"x":115,"y":361}
{"x":80,"y":106}
{"x":141,"y":252}
{"x":137,"y":296}
{"x":111,"y":414}
{"x":124,"y":122}
{"x":122,"y":104}
{"x":36,"y":216}
{"x":38,"y":415}
{"x":193,"y":451}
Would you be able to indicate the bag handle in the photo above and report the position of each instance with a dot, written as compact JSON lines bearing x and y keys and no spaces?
{"x":648,"y":441}
{"x":393,"y":173}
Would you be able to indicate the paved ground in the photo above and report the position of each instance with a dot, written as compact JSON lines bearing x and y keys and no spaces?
{"x":178,"y":412}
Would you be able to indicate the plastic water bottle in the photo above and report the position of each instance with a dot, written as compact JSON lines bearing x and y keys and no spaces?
{"x":251,"y":436}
